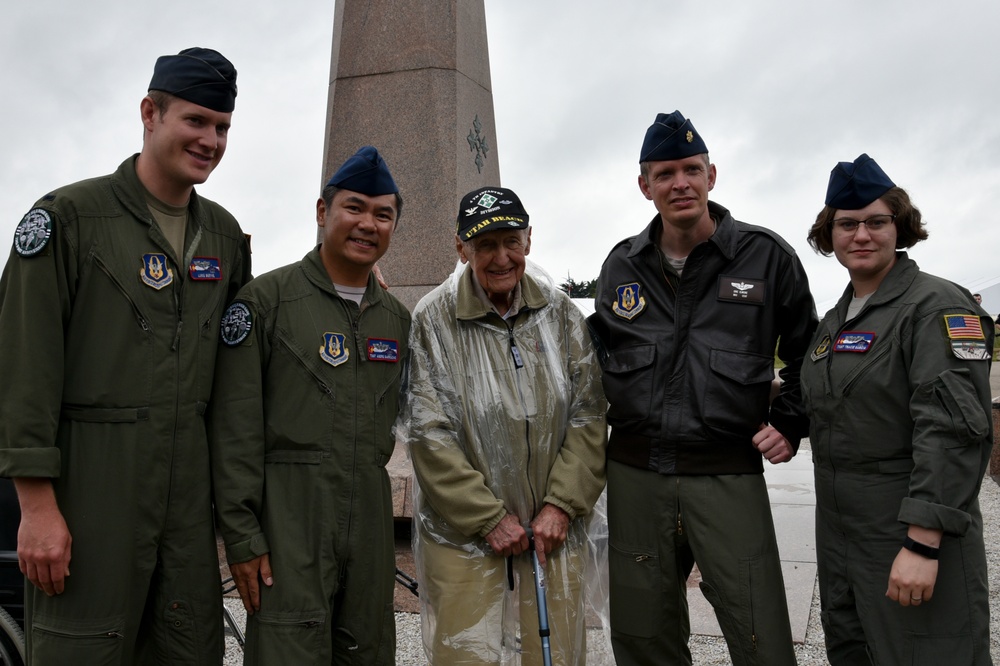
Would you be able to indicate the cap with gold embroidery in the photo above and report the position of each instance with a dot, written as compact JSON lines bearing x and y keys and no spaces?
{"x":671,"y":137}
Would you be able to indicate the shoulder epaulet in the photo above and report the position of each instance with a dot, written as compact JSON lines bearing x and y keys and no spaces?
{"x":625,"y":241}
{"x":747,"y":228}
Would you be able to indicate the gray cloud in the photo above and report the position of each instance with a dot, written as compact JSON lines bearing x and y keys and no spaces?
{"x":781,"y":91}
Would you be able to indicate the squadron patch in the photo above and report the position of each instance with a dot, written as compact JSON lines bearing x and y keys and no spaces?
{"x":205,"y":268}
{"x":236,"y":324}
{"x":822,"y":350}
{"x":971,"y":350}
{"x":742,"y":290}
{"x":854,"y":341}
{"x":334,"y":350}
{"x":33,"y":232}
{"x":380,"y":349}
{"x":630,"y":301}
{"x":155,"y":272}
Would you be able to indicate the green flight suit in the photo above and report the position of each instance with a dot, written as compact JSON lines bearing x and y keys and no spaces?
{"x":900,"y":424}
{"x":107,"y":349}
{"x":301,"y":430}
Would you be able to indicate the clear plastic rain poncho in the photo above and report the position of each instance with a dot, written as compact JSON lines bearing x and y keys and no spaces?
{"x":505,"y":416}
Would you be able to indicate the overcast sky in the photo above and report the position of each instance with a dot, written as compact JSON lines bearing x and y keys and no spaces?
{"x":781,"y":90}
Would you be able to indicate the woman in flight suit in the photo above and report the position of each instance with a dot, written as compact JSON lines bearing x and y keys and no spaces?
{"x":897,"y":391}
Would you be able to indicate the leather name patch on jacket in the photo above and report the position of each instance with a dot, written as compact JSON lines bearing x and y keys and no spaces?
{"x":742,"y":290}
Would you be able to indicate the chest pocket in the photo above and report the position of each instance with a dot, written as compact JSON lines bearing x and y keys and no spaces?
{"x":628,"y":379}
{"x":298,"y":402}
{"x":385,"y":411}
{"x":737,"y":391}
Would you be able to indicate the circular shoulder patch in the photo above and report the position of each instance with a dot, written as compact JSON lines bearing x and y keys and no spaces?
{"x":33,"y":232}
{"x":236,"y":324}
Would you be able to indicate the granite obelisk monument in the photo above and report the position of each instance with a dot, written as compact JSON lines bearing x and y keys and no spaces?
{"x":412,"y":78}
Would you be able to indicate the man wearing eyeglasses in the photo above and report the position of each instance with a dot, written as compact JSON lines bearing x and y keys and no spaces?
{"x":690,"y":311}
{"x":506,"y":429}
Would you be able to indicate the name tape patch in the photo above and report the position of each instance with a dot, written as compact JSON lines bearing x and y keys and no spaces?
{"x":742,"y":290}
{"x":854,"y":341}
{"x":205,"y":268}
{"x":381,"y":349}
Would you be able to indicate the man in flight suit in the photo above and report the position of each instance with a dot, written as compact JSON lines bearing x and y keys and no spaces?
{"x":109,"y":317}
{"x":301,"y":430}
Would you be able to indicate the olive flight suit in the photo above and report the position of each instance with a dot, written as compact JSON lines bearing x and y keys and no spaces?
{"x":307,"y":394}
{"x":107,"y":349}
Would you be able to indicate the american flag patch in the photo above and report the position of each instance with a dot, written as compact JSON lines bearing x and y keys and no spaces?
{"x":964,"y":327}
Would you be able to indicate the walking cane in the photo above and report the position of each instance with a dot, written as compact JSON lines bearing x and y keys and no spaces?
{"x":543,"y":609}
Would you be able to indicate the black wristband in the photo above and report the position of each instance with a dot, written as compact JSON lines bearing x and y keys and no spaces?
{"x":921,"y":549}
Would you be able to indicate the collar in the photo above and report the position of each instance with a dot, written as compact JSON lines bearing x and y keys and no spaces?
{"x":894,"y":284}
{"x":726,"y":236}
{"x":515,"y":301}
{"x":312,"y":266}
{"x":132,"y":193}
{"x":470,"y":306}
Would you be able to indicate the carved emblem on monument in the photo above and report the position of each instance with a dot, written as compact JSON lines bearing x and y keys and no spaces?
{"x":477,"y":142}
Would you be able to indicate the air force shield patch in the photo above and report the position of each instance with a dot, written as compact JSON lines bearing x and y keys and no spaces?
{"x":155,"y":272}
{"x":334,"y":351}
{"x":629,"y":300}
{"x":822,"y":349}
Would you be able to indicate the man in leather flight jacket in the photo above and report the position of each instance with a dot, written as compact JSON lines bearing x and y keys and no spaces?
{"x":689,"y":313}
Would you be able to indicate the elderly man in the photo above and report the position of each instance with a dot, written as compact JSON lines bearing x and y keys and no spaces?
{"x":109,"y":314}
{"x":690,"y":311}
{"x":307,"y":393}
{"x":505,"y":423}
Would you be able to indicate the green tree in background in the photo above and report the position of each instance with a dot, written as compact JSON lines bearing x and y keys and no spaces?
{"x":582,"y":289}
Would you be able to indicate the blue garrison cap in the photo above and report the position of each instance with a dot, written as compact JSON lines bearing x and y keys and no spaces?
{"x":671,"y":137}
{"x":201,"y":76}
{"x":365,"y":172}
{"x":854,"y":185}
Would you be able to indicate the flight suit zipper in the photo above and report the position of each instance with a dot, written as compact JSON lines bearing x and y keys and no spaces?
{"x":140,"y":319}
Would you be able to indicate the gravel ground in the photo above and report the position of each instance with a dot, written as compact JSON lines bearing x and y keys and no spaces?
{"x":707,"y":650}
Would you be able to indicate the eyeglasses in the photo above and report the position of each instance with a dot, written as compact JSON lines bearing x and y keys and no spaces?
{"x":487,"y":247}
{"x":874,"y":224}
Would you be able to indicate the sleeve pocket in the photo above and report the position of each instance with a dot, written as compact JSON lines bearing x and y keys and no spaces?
{"x":960,"y":401}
